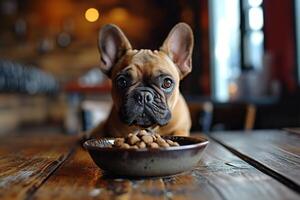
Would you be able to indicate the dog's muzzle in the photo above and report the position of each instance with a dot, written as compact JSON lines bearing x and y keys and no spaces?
{"x":145,"y":107}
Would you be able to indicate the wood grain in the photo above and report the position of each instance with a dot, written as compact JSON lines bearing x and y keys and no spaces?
{"x":80,"y":178}
{"x":221,"y":175}
{"x":292,"y":130}
{"x":26,"y":161}
{"x":276,"y":153}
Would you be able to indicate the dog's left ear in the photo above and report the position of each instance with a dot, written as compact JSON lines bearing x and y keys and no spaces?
{"x":112,"y":44}
{"x":179,"y":47}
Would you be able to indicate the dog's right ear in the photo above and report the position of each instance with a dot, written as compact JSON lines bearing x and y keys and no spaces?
{"x":112,"y":44}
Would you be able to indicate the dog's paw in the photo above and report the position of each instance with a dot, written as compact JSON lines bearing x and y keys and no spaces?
{"x":181,"y":133}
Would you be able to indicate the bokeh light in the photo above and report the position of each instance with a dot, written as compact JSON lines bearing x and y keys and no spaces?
{"x":119,"y":14}
{"x":91,"y":14}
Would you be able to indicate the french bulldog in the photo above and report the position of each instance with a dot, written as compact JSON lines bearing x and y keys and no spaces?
{"x":145,"y":83}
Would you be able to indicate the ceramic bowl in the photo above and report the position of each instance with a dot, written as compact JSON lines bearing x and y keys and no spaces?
{"x":147,"y":162}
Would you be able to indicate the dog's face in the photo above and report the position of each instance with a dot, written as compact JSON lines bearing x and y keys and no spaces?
{"x":144,"y":92}
{"x":145,"y":83}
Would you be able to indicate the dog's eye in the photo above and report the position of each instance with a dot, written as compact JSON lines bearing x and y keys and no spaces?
{"x":167,"y":83}
{"x":121,"y":82}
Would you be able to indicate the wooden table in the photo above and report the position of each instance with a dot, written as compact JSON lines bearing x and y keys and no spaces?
{"x":235,"y":165}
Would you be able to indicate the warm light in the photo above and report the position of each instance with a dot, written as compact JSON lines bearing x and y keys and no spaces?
{"x":91,"y":14}
{"x":119,"y":14}
{"x":233,"y":89}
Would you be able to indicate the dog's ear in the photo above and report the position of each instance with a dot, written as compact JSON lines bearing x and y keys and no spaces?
{"x":112,"y":44}
{"x":179,"y":47}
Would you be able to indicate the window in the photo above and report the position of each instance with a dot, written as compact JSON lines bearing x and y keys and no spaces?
{"x":253,"y":36}
{"x":236,"y":42}
{"x":224,"y":23}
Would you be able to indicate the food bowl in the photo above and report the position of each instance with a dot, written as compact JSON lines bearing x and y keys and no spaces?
{"x":147,"y":162}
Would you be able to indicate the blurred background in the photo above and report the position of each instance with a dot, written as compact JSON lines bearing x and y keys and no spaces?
{"x":246,"y":61}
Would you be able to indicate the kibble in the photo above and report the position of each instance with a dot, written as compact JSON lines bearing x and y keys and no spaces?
{"x":134,"y":147}
{"x":154,"y":145}
{"x":133,"y":139}
{"x":141,"y":145}
{"x":143,"y":139}
{"x":125,"y":146}
{"x":170,"y":142}
{"x":164,"y":144}
{"x":176,"y":144}
{"x":147,"y":139}
{"x":119,"y":141}
{"x":142,"y":133}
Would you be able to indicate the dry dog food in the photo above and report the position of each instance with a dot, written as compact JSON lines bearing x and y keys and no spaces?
{"x":143,"y":139}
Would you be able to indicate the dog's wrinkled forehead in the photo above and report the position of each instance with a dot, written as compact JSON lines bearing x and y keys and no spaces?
{"x":146,"y":63}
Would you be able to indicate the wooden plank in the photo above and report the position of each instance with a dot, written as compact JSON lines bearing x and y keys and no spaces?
{"x":274,"y":152}
{"x":221,"y":175}
{"x":26,"y":161}
{"x":80,"y":178}
{"x":292,"y":130}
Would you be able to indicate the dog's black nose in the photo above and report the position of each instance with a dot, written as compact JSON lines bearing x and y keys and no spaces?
{"x":144,"y":97}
